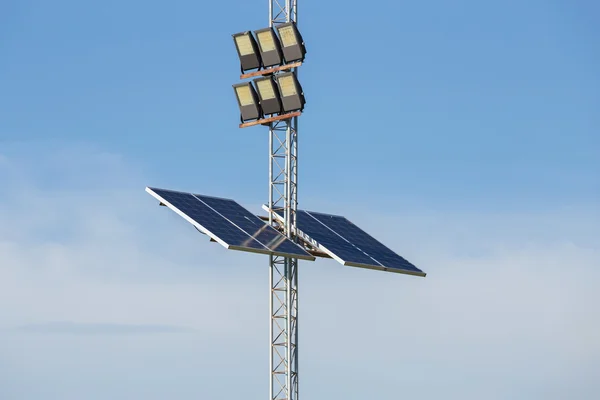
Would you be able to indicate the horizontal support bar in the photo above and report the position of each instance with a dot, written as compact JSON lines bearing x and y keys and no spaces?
{"x":266,"y":121}
{"x":317,"y":253}
{"x":269,"y":71}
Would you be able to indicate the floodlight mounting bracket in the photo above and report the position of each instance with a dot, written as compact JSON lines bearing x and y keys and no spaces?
{"x":270,"y":71}
{"x":267,"y":121}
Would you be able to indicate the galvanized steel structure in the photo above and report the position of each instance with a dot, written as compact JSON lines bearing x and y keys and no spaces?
{"x":313,"y":234}
{"x":283,"y":195}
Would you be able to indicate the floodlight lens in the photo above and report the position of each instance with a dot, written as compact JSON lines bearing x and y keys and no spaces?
{"x":287,"y":85}
{"x":265,"y":87}
{"x":265,"y":39}
{"x":288,"y":36}
{"x":244,"y":95}
{"x":244,"y":45}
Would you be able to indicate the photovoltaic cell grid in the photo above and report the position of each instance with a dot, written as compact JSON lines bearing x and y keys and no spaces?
{"x":229,"y":224}
{"x":349,"y":244}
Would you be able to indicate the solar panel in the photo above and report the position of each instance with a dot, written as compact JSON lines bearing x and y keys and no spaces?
{"x":348,"y":244}
{"x":229,"y":224}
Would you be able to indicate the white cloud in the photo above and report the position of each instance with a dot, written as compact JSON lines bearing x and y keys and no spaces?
{"x":75,"y":328}
{"x":508,"y":310}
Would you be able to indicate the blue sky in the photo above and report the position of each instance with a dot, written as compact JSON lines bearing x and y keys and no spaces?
{"x":463,"y":134}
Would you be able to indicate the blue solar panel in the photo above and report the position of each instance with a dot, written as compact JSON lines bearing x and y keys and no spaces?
{"x":328,"y":238}
{"x":250,"y":223}
{"x":228,"y":223}
{"x":349,"y":244}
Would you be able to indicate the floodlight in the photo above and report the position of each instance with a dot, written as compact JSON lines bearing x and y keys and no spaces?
{"x":248,"y":101}
{"x":292,"y":97}
{"x":270,"y":48}
{"x":270,"y":101}
{"x":247,"y":50}
{"x":291,"y":42}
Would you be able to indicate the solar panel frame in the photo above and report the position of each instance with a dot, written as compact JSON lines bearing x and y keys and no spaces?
{"x":262,"y":249}
{"x":376,"y":265}
{"x":367,"y":244}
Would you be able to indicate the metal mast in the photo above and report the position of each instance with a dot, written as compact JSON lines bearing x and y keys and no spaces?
{"x":283,"y":192}
{"x":276,"y":99}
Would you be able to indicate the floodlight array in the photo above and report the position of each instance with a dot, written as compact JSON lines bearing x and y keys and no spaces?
{"x":270,"y":51}
{"x":269,"y":95}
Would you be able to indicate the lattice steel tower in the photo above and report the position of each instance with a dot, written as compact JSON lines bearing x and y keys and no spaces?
{"x":276,"y":100}
{"x":283,"y":195}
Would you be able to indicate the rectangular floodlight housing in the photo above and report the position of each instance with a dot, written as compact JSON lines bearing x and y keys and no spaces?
{"x":270,"y":101}
{"x":292,"y":97}
{"x":247,"y":50}
{"x":291,"y":42}
{"x":269,"y":46}
{"x":247,"y":101}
